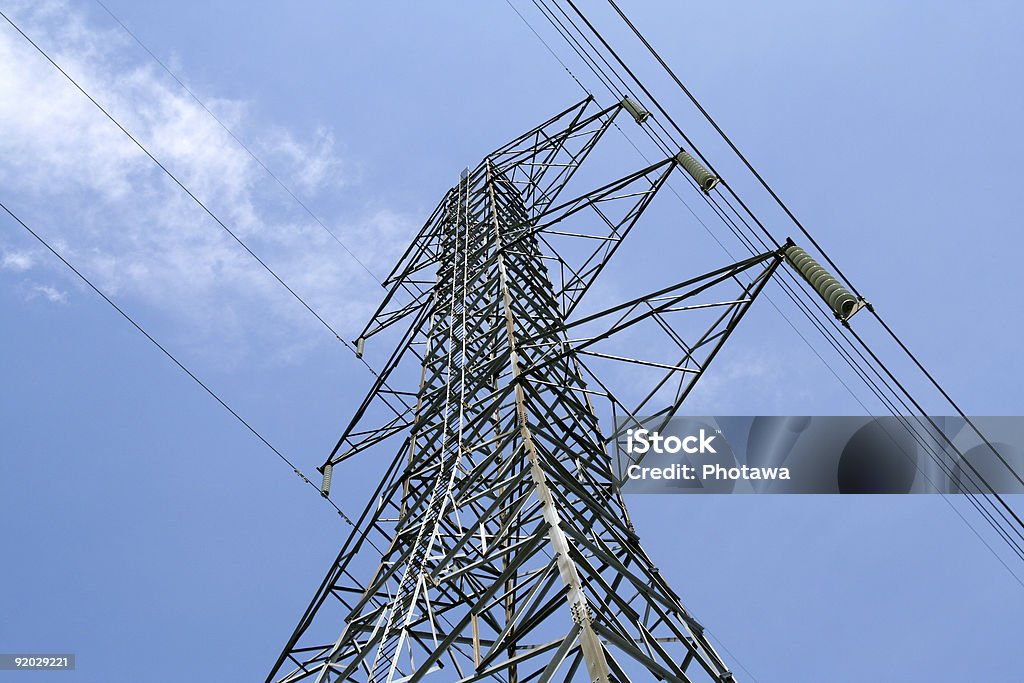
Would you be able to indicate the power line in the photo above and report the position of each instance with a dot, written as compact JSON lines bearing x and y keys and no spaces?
{"x":239,"y":141}
{"x":945,"y":395}
{"x":804,"y":231}
{"x":179,"y":183}
{"x":219,"y":222}
{"x":163,"y":349}
{"x":726,"y":138}
{"x":659,"y":141}
{"x":545,"y":44}
{"x":840,"y":343}
{"x":794,"y":296}
{"x":669,"y":118}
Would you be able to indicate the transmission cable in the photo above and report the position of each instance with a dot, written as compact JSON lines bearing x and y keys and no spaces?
{"x":657,"y":138}
{"x":194,"y":198}
{"x":807,"y":234}
{"x":747,"y":210}
{"x":974,"y":473}
{"x":839,"y":344}
{"x":726,"y":138}
{"x":606,"y":80}
{"x":799,"y":296}
{"x":173,"y":358}
{"x":241,"y":144}
{"x":549,"y":49}
{"x":181,"y":185}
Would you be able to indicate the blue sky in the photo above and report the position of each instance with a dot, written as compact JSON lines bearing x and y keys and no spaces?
{"x":153,"y":536}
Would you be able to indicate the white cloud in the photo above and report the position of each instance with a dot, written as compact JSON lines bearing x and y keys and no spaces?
{"x":17,"y":261}
{"x":51,"y":294}
{"x":74,"y":176}
{"x":316,"y":166}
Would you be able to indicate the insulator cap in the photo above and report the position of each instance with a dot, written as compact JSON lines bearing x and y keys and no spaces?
{"x":325,"y":485}
{"x":360,"y":347}
{"x":705,"y":178}
{"x":638,"y":113}
{"x":842,"y":302}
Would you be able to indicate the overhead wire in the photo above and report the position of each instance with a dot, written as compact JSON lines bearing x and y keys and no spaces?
{"x":835,"y":338}
{"x":241,"y":144}
{"x":726,"y":138}
{"x":206,"y":209}
{"x":828,"y":259}
{"x":839,"y":343}
{"x":174,"y":359}
{"x":176,"y":181}
{"x":665,"y":147}
{"x":233,"y":235}
{"x":889,"y":331}
{"x":796,"y":221}
{"x":606,"y":82}
{"x":668,"y":117}
{"x":548,"y":47}
{"x":1003,"y":509}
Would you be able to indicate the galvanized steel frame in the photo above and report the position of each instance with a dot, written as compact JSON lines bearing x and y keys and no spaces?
{"x":506,"y":549}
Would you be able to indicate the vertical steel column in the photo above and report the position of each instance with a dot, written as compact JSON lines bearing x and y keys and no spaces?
{"x":593,"y":652}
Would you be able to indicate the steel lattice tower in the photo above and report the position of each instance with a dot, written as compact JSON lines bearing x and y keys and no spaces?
{"x":505,"y":549}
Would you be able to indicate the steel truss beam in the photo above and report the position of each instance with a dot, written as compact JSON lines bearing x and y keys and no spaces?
{"x":502,"y":548}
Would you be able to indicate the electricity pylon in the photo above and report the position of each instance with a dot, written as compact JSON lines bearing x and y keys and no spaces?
{"x":503,"y":548}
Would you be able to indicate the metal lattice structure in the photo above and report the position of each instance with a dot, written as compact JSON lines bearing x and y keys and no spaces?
{"x":503,"y":548}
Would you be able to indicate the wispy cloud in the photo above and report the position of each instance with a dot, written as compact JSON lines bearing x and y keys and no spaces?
{"x":79,"y":179}
{"x":16,"y":261}
{"x":51,"y":294}
{"x":317,"y":166}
